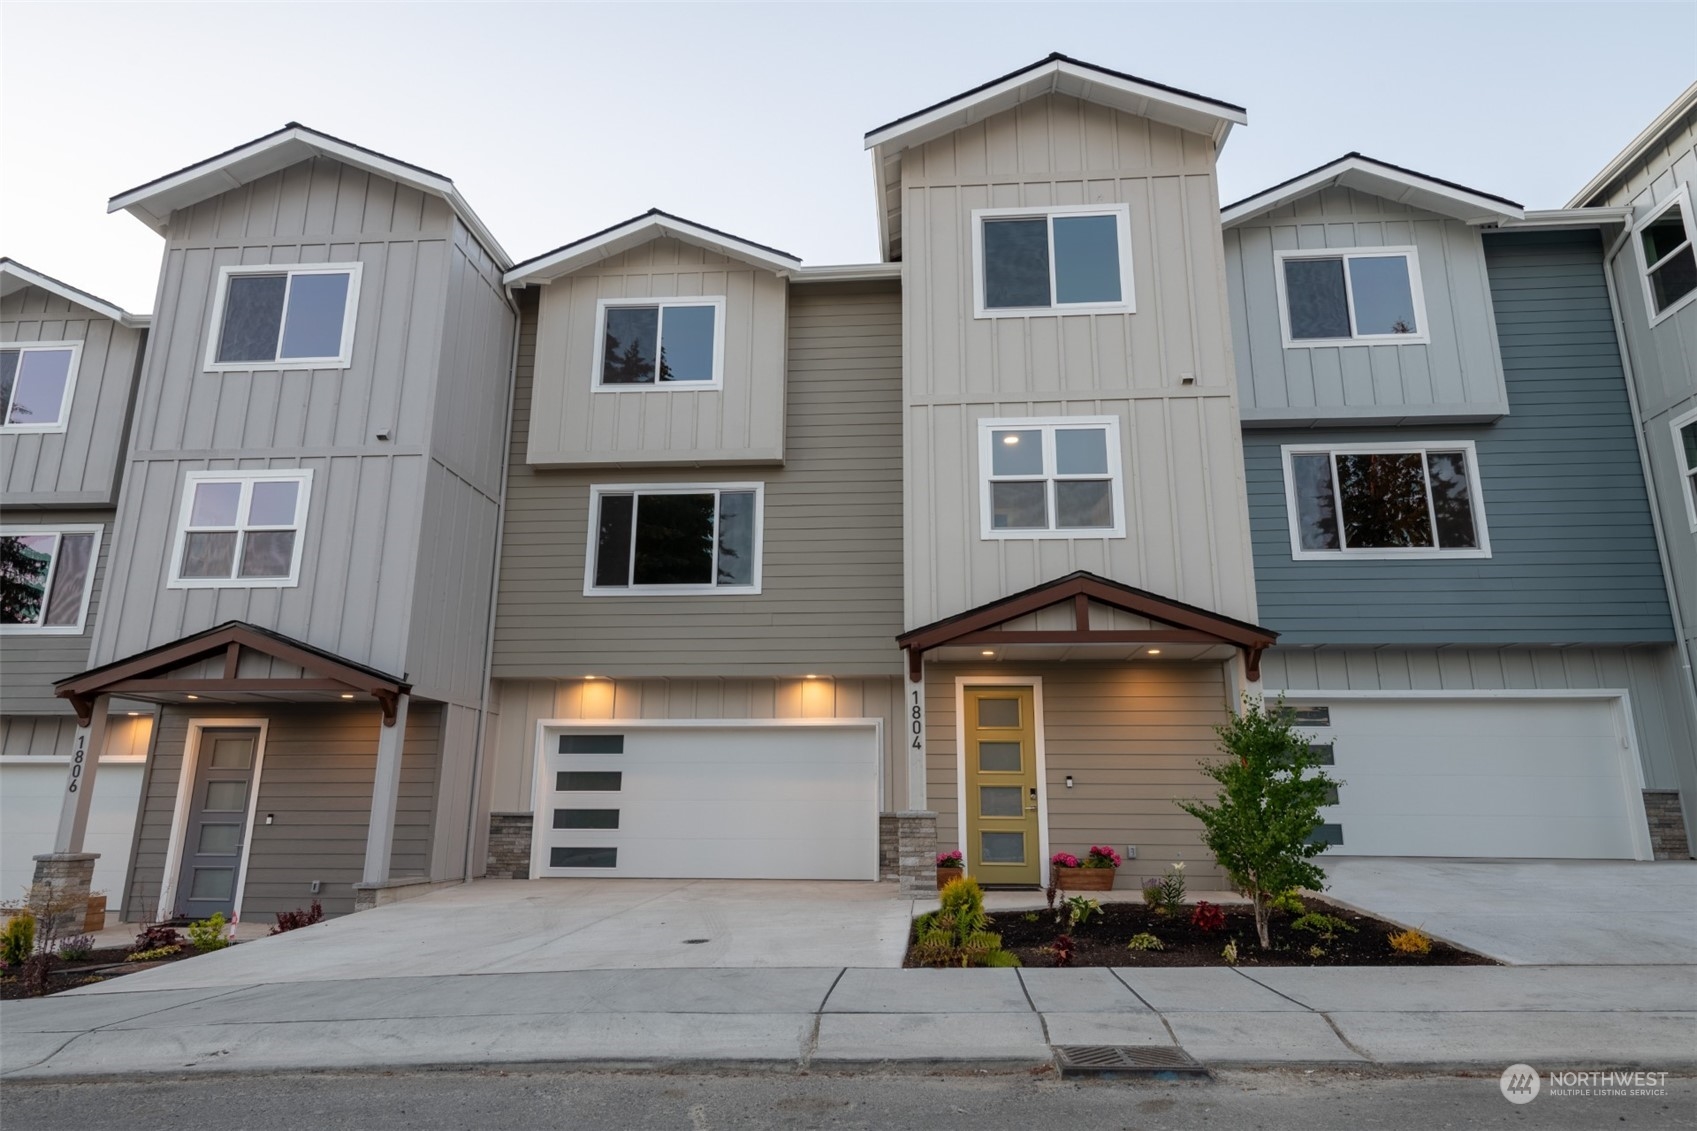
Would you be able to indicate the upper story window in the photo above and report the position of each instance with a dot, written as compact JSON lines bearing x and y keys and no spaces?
{"x":1367,"y":295}
{"x":1061,"y":260}
{"x":241,"y":528}
{"x":1667,"y":255}
{"x":46,"y":576}
{"x":36,"y":382}
{"x":660,"y":343}
{"x":1051,"y":478}
{"x":276,"y":317}
{"x":1385,"y":501}
{"x":666,"y":538}
{"x":1685,"y":451}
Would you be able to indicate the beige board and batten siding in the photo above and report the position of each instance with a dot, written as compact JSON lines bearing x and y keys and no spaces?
{"x":1164,"y":371}
{"x":315,"y":782}
{"x":831,"y":575}
{"x":1457,"y":375}
{"x":79,"y":466}
{"x":1131,"y":736}
{"x":572,"y":424}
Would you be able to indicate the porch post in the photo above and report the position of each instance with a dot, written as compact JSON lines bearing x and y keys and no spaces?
{"x":86,"y":746}
{"x":385,"y":793}
{"x":913,"y":711}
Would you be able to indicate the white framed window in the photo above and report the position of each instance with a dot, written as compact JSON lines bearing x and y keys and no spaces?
{"x":282,"y":316}
{"x":672,"y":538}
{"x":1385,"y":500}
{"x":1685,"y":452}
{"x":1666,"y":240}
{"x":46,"y":577}
{"x":1339,"y":296}
{"x":36,"y":383}
{"x":1071,"y":259}
{"x":241,"y":529}
{"x":1051,"y":477}
{"x":668,"y":343}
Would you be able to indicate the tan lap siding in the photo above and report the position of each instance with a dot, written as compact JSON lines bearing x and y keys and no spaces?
{"x":1132,"y":737}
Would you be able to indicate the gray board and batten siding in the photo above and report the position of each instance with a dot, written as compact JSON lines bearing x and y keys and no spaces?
{"x":1573,"y":553}
{"x":831,"y":578}
{"x":79,"y":466}
{"x":1456,"y":376}
{"x":30,"y":662}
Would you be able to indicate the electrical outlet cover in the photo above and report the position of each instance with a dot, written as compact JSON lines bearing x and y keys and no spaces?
{"x":1131,"y":852}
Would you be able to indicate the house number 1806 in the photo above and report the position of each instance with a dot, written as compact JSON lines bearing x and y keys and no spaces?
{"x":76,"y":762}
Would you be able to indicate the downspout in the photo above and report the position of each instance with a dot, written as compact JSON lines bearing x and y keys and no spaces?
{"x":494,"y":592}
{"x":1680,"y":643}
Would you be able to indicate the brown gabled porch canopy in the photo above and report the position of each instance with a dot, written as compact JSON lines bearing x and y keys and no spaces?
{"x":216,"y":658}
{"x":1176,"y":622}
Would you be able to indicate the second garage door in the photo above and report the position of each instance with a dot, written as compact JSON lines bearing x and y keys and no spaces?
{"x":1536,"y":777}
{"x":787,"y":801}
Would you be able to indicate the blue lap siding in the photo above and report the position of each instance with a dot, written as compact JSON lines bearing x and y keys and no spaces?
{"x":1573,"y":553}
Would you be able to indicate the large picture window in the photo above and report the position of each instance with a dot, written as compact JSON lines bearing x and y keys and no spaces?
{"x":1362,"y":295}
{"x":660,"y":344}
{"x":1052,"y":260}
{"x":1051,"y":478}
{"x":36,"y":383}
{"x":689,"y":538}
{"x":1667,"y":255}
{"x":278,"y":317}
{"x":46,"y":578}
{"x":1386,"y":501}
{"x":241,"y":529}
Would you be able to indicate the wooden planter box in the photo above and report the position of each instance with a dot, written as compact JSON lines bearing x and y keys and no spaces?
{"x":1084,"y":879}
{"x":95,"y":920}
{"x":946,"y":876}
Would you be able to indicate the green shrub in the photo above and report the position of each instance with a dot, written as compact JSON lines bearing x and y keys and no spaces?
{"x":1327,"y":927}
{"x":17,"y":942}
{"x":1230,"y":953}
{"x":208,"y":934}
{"x":150,"y":955}
{"x":1166,"y":894}
{"x":1145,"y":941}
{"x":1287,"y":902}
{"x":1080,"y":910}
{"x":957,"y":934}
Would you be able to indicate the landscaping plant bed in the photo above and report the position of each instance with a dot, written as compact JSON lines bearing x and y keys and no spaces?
{"x":107,"y":962}
{"x":1031,"y":937}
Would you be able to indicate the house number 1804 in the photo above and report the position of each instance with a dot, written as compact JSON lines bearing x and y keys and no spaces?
{"x":917,"y":721}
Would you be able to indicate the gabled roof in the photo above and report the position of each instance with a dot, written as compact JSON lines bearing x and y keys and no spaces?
{"x":1381,"y":178}
{"x":1055,"y":74}
{"x":14,"y":276}
{"x":638,"y":230}
{"x":1636,"y":149}
{"x":153,"y":202}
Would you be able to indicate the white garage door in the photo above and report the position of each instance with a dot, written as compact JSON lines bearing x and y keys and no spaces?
{"x":30,"y":794}
{"x":1539,"y":777}
{"x":790,"y":801}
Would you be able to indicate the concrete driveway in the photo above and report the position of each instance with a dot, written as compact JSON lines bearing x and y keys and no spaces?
{"x":1534,"y":912}
{"x":521,"y":926}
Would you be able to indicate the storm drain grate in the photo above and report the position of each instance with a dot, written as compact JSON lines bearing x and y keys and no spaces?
{"x":1124,"y":1060}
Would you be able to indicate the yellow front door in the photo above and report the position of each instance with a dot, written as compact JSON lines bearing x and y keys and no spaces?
{"x":1000,"y":794}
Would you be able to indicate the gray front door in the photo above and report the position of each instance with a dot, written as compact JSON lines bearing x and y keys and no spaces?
{"x":212,"y":843}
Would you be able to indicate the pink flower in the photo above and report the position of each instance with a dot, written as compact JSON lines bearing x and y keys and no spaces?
{"x":950,"y":859}
{"x":1064,"y":860}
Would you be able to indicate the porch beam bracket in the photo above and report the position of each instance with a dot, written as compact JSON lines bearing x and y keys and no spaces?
{"x":1081,"y":612}
{"x":389,"y":701}
{"x":232,"y":659}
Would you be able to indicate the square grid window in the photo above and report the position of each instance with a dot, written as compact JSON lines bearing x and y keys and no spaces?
{"x":1053,"y":478}
{"x":1052,"y":260}
{"x":1685,"y":452}
{"x":1385,"y":501}
{"x":46,"y":577}
{"x":1358,"y":295}
{"x":277,"y":317}
{"x":1667,"y":255}
{"x":660,"y":344}
{"x":241,"y":529}
{"x":36,"y":382}
{"x":675,"y":539}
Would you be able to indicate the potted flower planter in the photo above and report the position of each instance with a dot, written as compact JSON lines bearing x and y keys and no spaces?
{"x":947,"y":876}
{"x":1093,"y":873}
{"x":951,"y":866}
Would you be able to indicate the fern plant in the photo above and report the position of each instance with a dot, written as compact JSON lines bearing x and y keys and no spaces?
{"x":957,"y":933}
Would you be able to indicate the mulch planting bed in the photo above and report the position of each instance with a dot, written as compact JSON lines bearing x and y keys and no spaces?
{"x":1102,"y":941}
{"x":100,"y":965}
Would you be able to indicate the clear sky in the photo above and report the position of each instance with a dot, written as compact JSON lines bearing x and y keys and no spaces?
{"x":556,"y":120}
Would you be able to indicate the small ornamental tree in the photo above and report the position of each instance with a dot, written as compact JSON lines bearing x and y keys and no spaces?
{"x":1268,"y":806}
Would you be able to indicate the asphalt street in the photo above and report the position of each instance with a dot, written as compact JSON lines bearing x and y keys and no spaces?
{"x":517,"y":1101}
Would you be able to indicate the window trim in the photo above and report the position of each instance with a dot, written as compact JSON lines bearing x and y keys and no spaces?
{"x":1128,"y":288}
{"x":65,"y":403}
{"x":23,"y":530}
{"x":185,"y":506}
{"x":1404,"y":447}
{"x":1682,"y":197}
{"x":598,"y":491}
{"x":1687,"y":475}
{"x":717,"y":302}
{"x":1116,"y":475}
{"x":1423,"y":332}
{"x":350,"y":315}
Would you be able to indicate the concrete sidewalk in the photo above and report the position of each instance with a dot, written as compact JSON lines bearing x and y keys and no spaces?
{"x":1476,"y":1017}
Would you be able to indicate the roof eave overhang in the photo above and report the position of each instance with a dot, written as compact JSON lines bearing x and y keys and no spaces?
{"x":1550,"y":219}
{"x":154,"y":202}
{"x":14,"y":276}
{"x":633,"y":233}
{"x":1366,"y":175}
